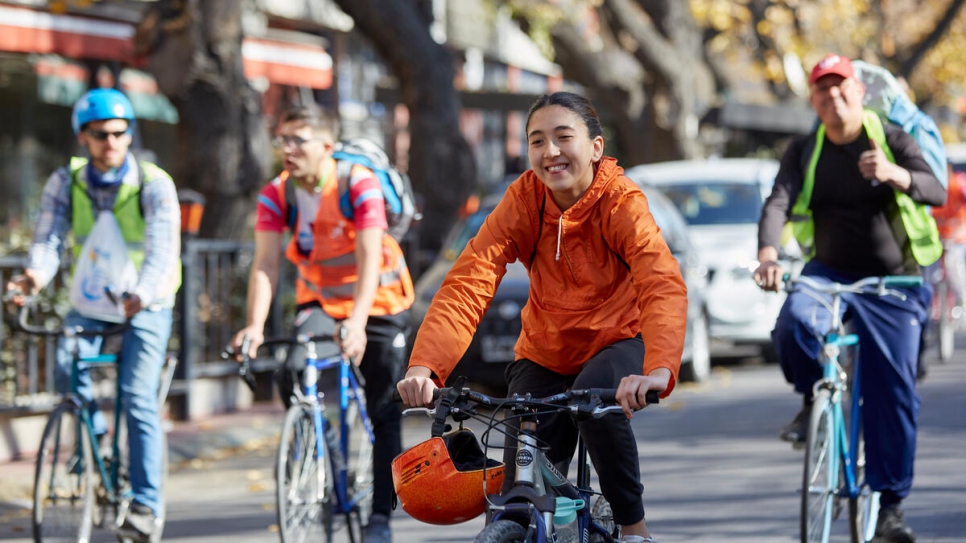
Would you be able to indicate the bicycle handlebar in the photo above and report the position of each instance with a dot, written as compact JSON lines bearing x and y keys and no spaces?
{"x":68,"y":331}
{"x":244,"y":365}
{"x":461,"y":403}
{"x":868,"y":285}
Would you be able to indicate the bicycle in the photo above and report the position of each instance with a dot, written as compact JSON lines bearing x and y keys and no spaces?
{"x":834,"y":467}
{"x":944,"y":310}
{"x":542,"y":504}
{"x":77,"y":486}
{"x":324,"y":464}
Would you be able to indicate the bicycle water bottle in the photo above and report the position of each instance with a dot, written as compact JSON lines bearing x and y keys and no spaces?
{"x":565,"y":520}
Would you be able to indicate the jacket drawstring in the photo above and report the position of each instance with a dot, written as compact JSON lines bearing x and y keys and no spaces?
{"x":559,"y":232}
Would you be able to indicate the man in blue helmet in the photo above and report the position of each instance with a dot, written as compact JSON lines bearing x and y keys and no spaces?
{"x":144,"y":203}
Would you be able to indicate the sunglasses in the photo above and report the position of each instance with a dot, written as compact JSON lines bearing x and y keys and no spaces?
{"x":101,"y":135}
{"x":282,"y":142}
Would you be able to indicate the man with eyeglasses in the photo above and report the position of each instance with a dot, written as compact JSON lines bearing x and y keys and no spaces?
{"x":855,"y":192}
{"x":353,"y":282}
{"x":144,"y":203}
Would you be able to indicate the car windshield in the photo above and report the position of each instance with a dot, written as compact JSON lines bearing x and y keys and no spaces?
{"x":716,"y":203}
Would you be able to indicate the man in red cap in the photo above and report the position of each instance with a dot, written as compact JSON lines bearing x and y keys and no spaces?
{"x":840,"y":186}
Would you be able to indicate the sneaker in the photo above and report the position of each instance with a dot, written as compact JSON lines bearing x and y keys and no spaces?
{"x":377,"y":531}
{"x":139,"y":523}
{"x":892,"y":528}
{"x":794,"y":432}
{"x":636,"y":539}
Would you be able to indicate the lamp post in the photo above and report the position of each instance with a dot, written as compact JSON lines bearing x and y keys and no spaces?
{"x":192,"y":209}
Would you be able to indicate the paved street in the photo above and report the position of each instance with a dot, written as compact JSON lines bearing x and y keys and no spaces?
{"x":713,"y":470}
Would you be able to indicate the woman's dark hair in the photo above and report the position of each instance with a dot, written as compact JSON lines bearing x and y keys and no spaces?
{"x":574,"y":102}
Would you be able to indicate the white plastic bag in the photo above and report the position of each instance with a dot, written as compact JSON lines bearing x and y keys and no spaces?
{"x":103,"y":263}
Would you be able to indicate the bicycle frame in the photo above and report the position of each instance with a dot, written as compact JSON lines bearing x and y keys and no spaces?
{"x":350,"y":390}
{"x":535,"y":475}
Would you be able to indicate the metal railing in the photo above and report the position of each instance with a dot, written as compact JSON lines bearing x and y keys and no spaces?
{"x":210,"y":308}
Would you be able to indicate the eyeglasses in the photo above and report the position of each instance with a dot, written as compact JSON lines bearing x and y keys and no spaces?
{"x":282,"y":142}
{"x":101,"y":135}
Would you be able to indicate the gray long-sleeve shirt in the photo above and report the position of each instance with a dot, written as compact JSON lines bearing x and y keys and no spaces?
{"x":162,"y":237}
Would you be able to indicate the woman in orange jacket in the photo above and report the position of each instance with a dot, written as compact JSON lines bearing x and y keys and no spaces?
{"x":607,"y":304}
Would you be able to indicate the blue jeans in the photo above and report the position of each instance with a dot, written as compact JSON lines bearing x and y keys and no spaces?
{"x":143,"y":348}
{"x":889,"y":331}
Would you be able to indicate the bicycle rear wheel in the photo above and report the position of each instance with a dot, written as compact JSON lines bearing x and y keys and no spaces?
{"x":821,"y":475}
{"x":502,"y":531}
{"x":359,"y":477}
{"x":304,"y":483}
{"x":64,"y":479}
{"x":863,"y":509}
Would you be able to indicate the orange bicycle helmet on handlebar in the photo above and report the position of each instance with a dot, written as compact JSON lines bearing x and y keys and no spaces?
{"x":441,"y":480}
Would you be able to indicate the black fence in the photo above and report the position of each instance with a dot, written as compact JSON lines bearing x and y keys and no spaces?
{"x":210,"y":308}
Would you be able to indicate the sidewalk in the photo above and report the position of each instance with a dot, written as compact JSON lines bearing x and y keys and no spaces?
{"x":213,"y":437}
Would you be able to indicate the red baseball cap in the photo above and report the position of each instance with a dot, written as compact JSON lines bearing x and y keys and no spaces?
{"x":832,"y":64}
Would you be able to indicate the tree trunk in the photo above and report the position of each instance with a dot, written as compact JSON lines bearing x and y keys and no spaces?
{"x":193,"y":49}
{"x":441,"y":163}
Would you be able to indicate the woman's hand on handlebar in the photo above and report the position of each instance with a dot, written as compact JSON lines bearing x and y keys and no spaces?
{"x":416,"y":388}
{"x":632,"y":389}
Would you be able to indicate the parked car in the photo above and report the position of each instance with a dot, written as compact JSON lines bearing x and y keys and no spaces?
{"x":491,"y":350}
{"x":721,"y":199}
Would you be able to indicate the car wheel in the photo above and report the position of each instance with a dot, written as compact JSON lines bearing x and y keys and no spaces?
{"x":698,"y":369}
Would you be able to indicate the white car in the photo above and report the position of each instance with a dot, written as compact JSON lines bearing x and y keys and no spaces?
{"x":721,"y":199}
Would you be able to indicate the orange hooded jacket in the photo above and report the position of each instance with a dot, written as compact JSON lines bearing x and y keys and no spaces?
{"x":601,"y":272}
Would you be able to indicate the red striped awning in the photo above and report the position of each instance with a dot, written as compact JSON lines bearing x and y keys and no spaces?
{"x":27,"y":30}
{"x":287,"y":63}
{"x":31,"y":31}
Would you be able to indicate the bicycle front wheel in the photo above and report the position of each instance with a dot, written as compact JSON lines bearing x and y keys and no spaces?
{"x":502,"y":531}
{"x":304,"y":480}
{"x":864,"y":508}
{"x":64,"y":479}
{"x":820,"y":481}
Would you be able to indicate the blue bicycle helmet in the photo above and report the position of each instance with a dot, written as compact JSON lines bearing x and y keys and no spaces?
{"x":100,"y":105}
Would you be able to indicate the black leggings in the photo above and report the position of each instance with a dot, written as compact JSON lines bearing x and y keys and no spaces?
{"x":610,"y":439}
{"x":382,"y":367}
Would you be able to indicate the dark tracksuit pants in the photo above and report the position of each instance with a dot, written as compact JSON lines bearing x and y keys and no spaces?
{"x":382,"y":366}
{"x":610,"y":440}
{"x":889,"y":332}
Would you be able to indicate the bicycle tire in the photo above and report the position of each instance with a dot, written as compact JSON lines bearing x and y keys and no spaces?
{"x":359,"y":467}
{"x":946,"y":327}
{"x":863,"y":509}
{"x":502,"y":531}
{"x":603,"y":514}
{"x":64,"y":479}
{"x":304,"y":493}
{"x":821,"y":474}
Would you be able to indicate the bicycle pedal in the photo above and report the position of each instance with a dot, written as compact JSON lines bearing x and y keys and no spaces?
{"x":798,"y":445}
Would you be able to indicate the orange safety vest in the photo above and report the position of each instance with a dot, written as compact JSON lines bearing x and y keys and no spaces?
{"x":328,"y":274}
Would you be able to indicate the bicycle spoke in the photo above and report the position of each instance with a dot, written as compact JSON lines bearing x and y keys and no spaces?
{"x":303,"y":500}
{"x":820,"y":481}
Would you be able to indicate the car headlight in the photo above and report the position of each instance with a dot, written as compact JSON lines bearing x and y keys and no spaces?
{"x":508,"y":310}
